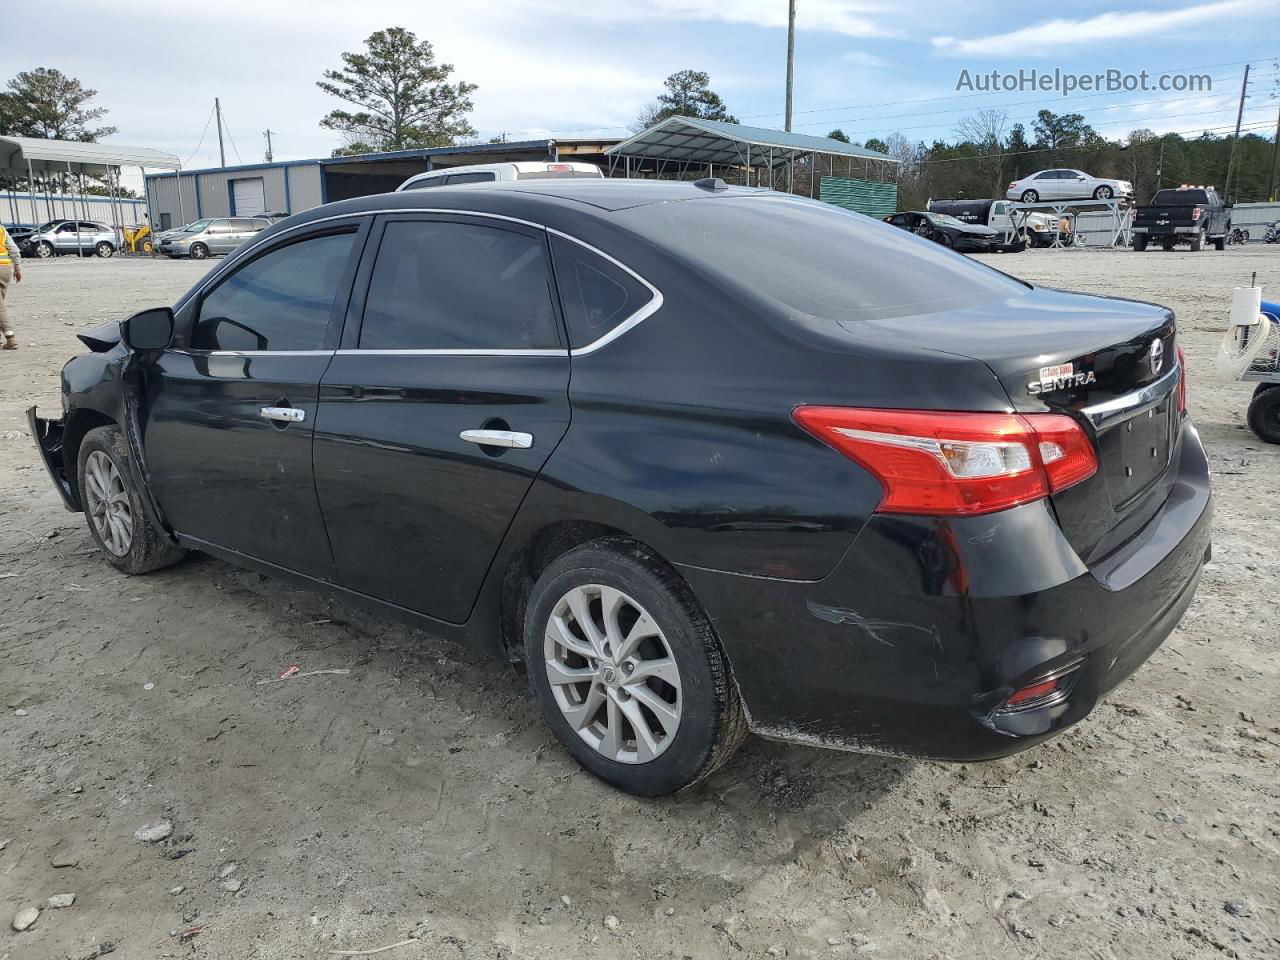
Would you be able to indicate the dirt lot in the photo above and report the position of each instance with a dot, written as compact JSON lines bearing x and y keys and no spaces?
{"x":420,"y":796}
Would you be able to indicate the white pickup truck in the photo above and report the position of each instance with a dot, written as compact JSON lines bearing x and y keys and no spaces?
{"x":995,"y":214}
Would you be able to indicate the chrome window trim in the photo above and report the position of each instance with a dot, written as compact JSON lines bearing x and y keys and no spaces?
{"x":250,"y":353}
{"x":648,"y":310}
{"x":445,"y":352}
{"x":1132,"y":404}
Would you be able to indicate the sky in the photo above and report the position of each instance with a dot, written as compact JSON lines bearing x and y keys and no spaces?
{"x":551,"y":67}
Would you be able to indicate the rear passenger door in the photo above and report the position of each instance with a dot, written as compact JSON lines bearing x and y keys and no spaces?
{"x":448,"y":395}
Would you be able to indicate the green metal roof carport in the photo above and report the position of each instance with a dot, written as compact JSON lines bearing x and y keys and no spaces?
{"x":692,"y":142}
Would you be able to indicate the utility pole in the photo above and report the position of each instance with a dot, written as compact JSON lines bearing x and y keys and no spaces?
{"x":1231,"y":157}
{"x":268,"y":133}
{"x":1160,"y":162}
{"x":222,"y":152}
{"x":791,"y":58}
{"x":1275,"y":156}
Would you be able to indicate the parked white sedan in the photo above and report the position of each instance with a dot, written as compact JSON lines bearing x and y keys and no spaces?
{"x":1067,"y":185}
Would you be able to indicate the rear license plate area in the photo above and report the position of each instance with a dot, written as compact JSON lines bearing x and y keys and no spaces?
{"x":1136,"y":451}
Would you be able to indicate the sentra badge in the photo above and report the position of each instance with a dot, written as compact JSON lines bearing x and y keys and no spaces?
{"x":1059,"y":377}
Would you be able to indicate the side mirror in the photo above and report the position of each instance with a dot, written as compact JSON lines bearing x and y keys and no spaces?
{"x":148,"y":331}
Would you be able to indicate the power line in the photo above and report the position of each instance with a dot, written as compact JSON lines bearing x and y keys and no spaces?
{"x":231,"y":136}
{"x":202,"y":134}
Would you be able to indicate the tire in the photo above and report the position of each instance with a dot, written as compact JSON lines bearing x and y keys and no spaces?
{"x":1264,"y":413}
{"x":147,"y":246}
{"x":104,"y":250}
{"x":1197,"y":242}
{"x":199,"y":251}
{"x":1030,"y":196}
{"x":1140,"y":242}
{"x":44,"y":250}
{"x":120,"y":521}
{"x":1103,"y":193}
{"x":708,"y":718}
{"x":946,"y":241}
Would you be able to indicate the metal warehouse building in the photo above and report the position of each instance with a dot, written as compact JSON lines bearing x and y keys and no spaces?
{"x":297,"y":185}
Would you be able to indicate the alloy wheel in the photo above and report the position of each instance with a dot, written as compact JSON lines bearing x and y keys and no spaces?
{"x":108,"y":503}
{"x":612,"y":674}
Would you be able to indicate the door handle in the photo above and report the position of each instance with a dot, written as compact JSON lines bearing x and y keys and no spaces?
{"x":283,"y":414}
{"x":498,"y":438}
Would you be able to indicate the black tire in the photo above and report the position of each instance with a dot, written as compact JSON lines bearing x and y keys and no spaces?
{"x":104,"y":250}
{"x":1197,"y":242}
{"x":711,"y":724}
{"x":199,"y":251}
{"x":1139,"y":242}
{"x":44,"y":250}
{"x":946,"y":241}
{"x":1103,"y":193}
{"x":1030,"y":196}
{"x":1220,"y":243}
{"x":1264,"y":413}
{"x":149,"y":547}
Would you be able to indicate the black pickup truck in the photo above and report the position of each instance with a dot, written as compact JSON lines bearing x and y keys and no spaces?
{"x":1191,"y":215}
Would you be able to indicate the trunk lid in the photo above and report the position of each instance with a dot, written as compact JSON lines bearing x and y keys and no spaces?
{"x":1108,"y":363}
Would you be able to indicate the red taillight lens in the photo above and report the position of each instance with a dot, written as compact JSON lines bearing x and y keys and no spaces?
{"x":559,"y":167}
{"x":1182,"y":381}
{"x":1195,"y":213}
{"x":942,"y":463}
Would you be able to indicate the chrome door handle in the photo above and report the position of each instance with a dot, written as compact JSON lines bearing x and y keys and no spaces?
{"x":283,"y":414}
{"x":498,"y":438}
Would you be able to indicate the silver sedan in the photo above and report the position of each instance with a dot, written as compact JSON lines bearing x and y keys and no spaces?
{"x":1067,"y":185}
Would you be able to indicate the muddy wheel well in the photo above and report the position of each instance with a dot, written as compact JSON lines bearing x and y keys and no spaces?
{"x":79,"y":422}
{"x":527,"y":564}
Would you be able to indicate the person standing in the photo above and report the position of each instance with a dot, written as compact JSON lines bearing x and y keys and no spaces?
{"x":10,"y":270}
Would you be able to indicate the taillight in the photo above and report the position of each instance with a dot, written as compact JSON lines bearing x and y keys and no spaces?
{"x":1195,"y":213}
{"x":1182,"y":381}
{"x":942,"y":463}
{"x":559,"y":168}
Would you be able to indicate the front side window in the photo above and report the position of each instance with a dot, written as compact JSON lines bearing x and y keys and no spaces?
{"x":596,"y":295}
{"x":440,"y":285}
{"x":279,"y":301}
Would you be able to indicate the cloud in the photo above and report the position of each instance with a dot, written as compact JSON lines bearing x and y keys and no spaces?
{"x":1029,"y":41}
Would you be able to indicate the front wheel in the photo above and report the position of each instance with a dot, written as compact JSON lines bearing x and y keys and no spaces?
{"x":104,"y":250}
{"x":627,"y":671}
{"x":113,"y":500}
{"x":44,"y":250}
{"x":1030,"y":196}
{"x":199,"y":251}
{"x":1264,"y":413}
{"x":1103,"y":193}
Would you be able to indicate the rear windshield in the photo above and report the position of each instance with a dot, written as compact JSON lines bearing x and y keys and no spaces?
{"x":822,"y":260}
{"x":557,"y":174}
{"x":1179,"y":198}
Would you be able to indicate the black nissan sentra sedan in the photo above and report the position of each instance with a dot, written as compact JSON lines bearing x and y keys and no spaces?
{"x":706,"y":460}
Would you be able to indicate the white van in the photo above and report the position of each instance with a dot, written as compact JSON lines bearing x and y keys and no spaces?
{"x":489,"y":172}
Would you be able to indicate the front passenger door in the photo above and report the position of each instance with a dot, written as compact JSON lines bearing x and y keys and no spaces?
{"x":440,"y":410}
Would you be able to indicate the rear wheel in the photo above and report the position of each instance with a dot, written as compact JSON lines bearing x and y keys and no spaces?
{"x":627,"y":670}
{"x":1197,"y":242}
{"x":199,"y":251}
{"x":1264,"y":412}
{"x":119,"y":520}
{"x":1030,"y":196}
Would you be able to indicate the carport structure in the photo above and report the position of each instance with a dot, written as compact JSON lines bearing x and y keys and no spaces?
{"x":42,"y":162}
{"x":691,"y":147}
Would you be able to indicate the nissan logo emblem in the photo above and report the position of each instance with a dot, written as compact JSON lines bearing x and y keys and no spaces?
{"x":1156,"y":359}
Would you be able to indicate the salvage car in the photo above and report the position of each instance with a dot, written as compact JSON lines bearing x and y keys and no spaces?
{"x":1067,"y":185}
{"x":1036,"y":228}
{"x":61,"y":237}
{"x":842,"y":487}
{"x":953,"y":233}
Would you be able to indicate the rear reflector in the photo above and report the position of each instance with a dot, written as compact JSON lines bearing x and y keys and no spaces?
{"x":941,"y":463}
{"x":1033,"y":692}
{"x":1182,"y":381}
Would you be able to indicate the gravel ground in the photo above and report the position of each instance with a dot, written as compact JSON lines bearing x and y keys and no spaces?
{"x":420,"y":795}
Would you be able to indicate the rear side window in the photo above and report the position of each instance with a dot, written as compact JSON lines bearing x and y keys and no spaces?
{"x":596,"y":294}
{"x":443,"y":285}
{"x":428,"y":182}
{"x":815,"y":259}
{"x":280,"y":301}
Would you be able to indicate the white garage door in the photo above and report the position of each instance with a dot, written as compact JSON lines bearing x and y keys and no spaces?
{"x":249,"y":196}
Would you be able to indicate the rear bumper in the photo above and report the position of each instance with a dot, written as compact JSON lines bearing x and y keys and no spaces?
{"x":914,"y":642}
{"x":48,"y":437}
